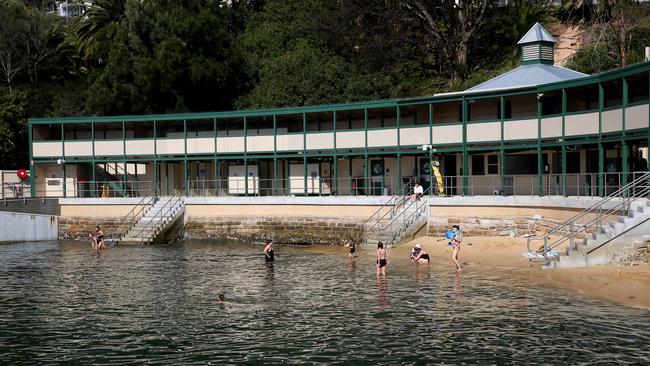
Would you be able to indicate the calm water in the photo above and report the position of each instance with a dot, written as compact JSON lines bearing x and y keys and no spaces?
{"x":61,"y":303}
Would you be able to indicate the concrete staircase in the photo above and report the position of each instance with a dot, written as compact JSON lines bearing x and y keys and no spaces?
{"x":405,"y":222}
{"x":614,"y":239}
{"x":152,"y":226}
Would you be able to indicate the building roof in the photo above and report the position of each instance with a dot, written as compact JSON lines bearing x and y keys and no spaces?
{"x":537,"y":34}
{"x":528,"y":75}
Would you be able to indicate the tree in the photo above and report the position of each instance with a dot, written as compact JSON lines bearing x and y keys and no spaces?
{"x":12,"y":30}
{"x":451,"y":26}
{"x":96,"y":28}
{"x":13,"y":130}
{"x":43,"y":39}
{"x":622,"y":17}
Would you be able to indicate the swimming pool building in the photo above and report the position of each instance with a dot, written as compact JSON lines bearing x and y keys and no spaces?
{"x":539,"y":129}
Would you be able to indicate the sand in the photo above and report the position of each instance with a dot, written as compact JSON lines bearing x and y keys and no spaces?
{"x":622,"y":285}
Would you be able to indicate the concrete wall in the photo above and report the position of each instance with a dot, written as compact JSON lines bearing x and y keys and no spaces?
{"x":27,"y":227}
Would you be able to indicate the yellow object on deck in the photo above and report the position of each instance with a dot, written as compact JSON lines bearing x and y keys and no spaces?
{"x":436,"y":173}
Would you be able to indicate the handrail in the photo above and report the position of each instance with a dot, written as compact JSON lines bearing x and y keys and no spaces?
{"x":132,"y":216}
{"x":422,"y":202}
{"x":152,"y":225}
{"x":615,"y":237}
{"x":628,"y":194}
{"x":393,"y":202}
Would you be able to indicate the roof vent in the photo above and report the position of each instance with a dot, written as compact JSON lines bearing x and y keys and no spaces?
{"x":537,"y":46}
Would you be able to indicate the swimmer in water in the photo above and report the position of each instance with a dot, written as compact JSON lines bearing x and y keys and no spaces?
{"x":383,"y":259}
{"x":419,"y":256}
{"x":221,"y":298}
{"x":268,"y":251}
{"x":352,"y":248}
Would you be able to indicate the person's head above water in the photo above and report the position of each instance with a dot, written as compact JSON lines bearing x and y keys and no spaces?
{"x":97,"y":227}
{"x":221,"y":298}
{"x":380,"y":245}
{"x":269,"y":241}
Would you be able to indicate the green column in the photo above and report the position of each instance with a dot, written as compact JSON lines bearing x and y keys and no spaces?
{"x":304,"y":150}
{"x":563,"y":142}
{"x":365,"y":174}
{"x":624,"y":162}
{"x":245,"y":156}
{"x":502,"y":151}
{"x":564,"y":169}
{"x":365,"y":154}
{"x":65,"y":191}
{"x":336,"y":166}
{"x":540,"y":162}
{"x":186,"y":172}
{"x":93,"y":186}
{"x":399,"y":172}
{"x":465,"y":162}
{"x":601,"y":170}
{"x":275,"y":154}
{"x":32,"y":173}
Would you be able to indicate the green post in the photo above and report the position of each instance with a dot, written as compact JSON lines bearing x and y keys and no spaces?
{"x":564,"y":108}
{"x":431,"y":124}
{"x":465,"y":162}
{"x":365,"y":154}
{"x":275,"y":155}
{"x":365,"y":174}
{"x":540,"y":162}
{"x":502,"y":152}
{"x":564,"y":169}
{"x":245,"y":156}
{"x":601,"y":170}
{"x":304,"y":150}
{"x":399,"y":172}
{"x":93,"y":186}
{"x":336,"y":166}
{"x":624,"y":163}
{"x":32,"y":173}
{"x":186,"y":172}
{"x":65,"y":191}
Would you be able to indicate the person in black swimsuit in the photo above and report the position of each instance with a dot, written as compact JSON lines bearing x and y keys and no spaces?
{"x":268,"y":251}
{"x":383,"y":259}
{"x":352,"y":248}
{"x":97,"y":239}
{"x":418,"y":255}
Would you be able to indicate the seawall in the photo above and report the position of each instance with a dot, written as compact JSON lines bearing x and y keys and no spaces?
{"x":16,"y":226}
{"x":321,"y":220}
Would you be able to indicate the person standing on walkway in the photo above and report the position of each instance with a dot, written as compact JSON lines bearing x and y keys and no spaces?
{"x":268,"y":251}
{"x":383,"y":259}
{"x":456,"y":239}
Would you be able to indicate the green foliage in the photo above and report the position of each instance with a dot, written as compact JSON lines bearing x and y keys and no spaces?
{"x":592,"y":59}
{"x":13,"y":130}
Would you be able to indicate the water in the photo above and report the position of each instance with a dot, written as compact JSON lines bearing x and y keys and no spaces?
{"x":62,"y":303}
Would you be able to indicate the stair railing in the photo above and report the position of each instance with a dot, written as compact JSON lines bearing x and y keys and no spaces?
{"x":388,"y":208}
{"x":616,"y":203}
{"x":161,"y":215}
{"x":406,"y":217}
{"x":140,"y":209}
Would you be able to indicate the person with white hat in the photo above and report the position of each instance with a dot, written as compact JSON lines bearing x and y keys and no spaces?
{"x":418,"y":255}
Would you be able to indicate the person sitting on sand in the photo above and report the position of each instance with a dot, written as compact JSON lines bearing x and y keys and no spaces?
{"x":419,"y":256}
{"x":456,"y":239}
{"x":97,"y":239}
{"x":268,"y":251}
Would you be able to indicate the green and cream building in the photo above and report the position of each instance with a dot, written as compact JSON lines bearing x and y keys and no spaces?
{"x":539,"y":129}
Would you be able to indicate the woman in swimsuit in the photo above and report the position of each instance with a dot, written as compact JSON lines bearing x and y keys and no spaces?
{"x":268,"y":251}
{"x":383,"y":259}
{"x":97,"y":239}
{"x":419,"y":256}
{"x":352,"y":248}
{"x":455,"y":241}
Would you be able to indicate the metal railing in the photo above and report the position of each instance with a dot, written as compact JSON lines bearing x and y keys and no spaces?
{"x":153,"y":224}
{"x":388,"y":208}
{"x":407,"y":217}
{"x":139,"y":210}
{"x":618,"y":203}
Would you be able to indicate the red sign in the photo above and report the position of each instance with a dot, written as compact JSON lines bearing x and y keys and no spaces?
{"x":21,"y":173}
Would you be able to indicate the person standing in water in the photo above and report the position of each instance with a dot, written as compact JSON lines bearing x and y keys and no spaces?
{"x":383,"y":259}
{"x":268,"y":251}
{"x":352,"y":248}
{"x":97,"y":239}
{"x":456,"y":239}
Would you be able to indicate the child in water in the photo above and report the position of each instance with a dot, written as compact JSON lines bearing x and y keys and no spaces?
{"x":268,"y":251}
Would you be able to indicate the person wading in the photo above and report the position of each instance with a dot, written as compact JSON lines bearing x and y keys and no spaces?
{"x":268,"y":251}
{"x":456,"y":239}
{"x":383,"y":259}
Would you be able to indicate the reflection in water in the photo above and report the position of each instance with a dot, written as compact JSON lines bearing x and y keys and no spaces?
{"x":157,"y":305}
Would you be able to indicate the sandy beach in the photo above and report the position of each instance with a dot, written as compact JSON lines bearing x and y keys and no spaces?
{"x":628,"y":285}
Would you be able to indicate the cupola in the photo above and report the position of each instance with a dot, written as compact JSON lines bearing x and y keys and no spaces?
{"x":537,"y":46}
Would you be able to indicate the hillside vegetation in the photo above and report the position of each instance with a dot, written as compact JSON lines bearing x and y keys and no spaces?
{"x":162,"y":56}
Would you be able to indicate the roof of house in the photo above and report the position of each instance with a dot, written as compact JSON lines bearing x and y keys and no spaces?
{"x":528,"y":75}
{"x":537,"y":34}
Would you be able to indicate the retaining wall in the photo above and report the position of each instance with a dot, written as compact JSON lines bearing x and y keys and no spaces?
{"x":16,"y":226}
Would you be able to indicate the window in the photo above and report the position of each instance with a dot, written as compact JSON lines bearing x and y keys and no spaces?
{"x":493,"y":164}
{"x":508,"y":112}
{"x":551,"y":104}
{"x":478,"y":165}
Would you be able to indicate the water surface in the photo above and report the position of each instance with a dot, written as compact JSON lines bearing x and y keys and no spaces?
{"x":62,"y":303}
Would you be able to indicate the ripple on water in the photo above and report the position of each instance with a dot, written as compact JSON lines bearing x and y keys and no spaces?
{"x":63,"y":303}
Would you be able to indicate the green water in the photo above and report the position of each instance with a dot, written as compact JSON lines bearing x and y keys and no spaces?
{"x":61,"y":303}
